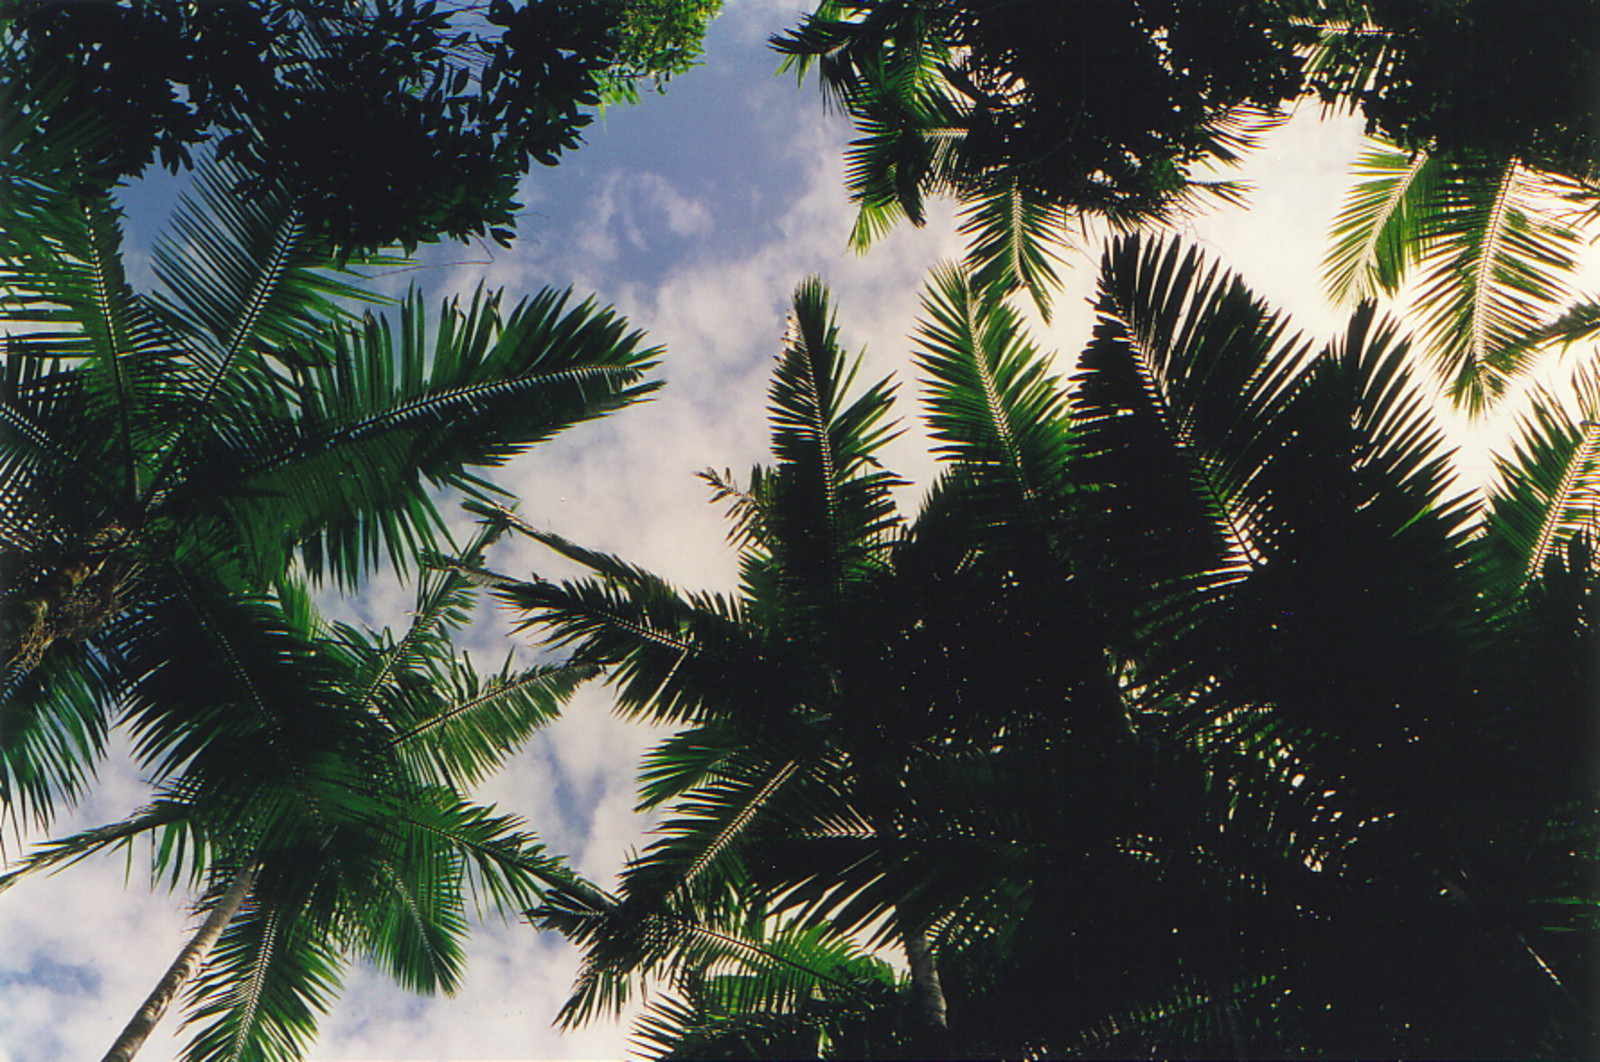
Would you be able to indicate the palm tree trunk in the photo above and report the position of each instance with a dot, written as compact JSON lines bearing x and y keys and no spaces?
{"x":929,"y":993}
{"x":182,"y":968}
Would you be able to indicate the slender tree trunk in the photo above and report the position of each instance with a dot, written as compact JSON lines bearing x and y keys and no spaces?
{"x":925,"y":979}
{"x":182,"y":968}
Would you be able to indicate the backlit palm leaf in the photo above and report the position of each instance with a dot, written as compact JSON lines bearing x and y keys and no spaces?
{"x":1493,"y":274}
{"x":1549,"y":486}
{"x":1175,"y":405}
{"x":313,"y":752}
{"x":831,"y":501}
{"x":1014,"y":240}
{"x":993,"y":409}
{"x":1485,"y":243}
{"x":1376,"y":235}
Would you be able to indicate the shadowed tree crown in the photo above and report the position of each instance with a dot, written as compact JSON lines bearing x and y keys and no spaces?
{"x":391,"y":121}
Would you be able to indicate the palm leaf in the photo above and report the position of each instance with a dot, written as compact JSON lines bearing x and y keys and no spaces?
{"x":390,"y":411}
{"x":464,"y":725}
{"x":64,"y":852}
{"x":910,"y":134}
{"x":238,"y":276}
{"x":53,"y":726}
{"x":1377,"y":235}
{"x":69,"y":298}
{"x":1482,"y":235}
{"x":831,"y":503}
{"x":993,"y":409}
{"x":669,"y":657}
{"x":1014,"y":239}
{"x":1548,"y":488}
{"x":1493,"y":274}
{"x":412,"y":916}
{"x":1175,"y":407}
{"x":273,"y":973}
{"x":798,"y":991}
{"x":502,"y":864}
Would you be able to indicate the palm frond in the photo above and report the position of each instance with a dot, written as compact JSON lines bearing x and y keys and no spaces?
{"x":412,"y":917}
{"x":671,"y":658}
{"x":1175,"y":403}
{"x":272,"y":975}
{"x":1378,"y":235}
{"x":1578,"y":323}
{"x":906,"y":148}
{"x":1548,"y":487}
{"x":832,"y":503}
{"x":799,"y":993}
{"x":992,"y":406}
{"x":257,"y":725}
{"x":390,"y":411}
{"x":1014,"y":239}
{"x":68,"y":298}
{"x":1494,"y":273}
{"x":53,"y":726}
{"x":686,"y":759}
{"x":1486,"y":243}
{"x":239,"y":278}
{"x":503,"y":865}
{"x":747,"y":507}
{"x":445,"y":596}
{"x":64,"y":852}
{"x":465,"y":725}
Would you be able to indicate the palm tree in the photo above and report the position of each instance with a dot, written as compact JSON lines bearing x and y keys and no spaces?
{"x":164,"y":453}
{"x":314,"y":793}
{"x":1302,"y":584}
{"x":849,"y":719}
{"x":1210,"y":717}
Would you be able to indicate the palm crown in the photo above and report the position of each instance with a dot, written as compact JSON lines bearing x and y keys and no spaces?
{"x":240,"y":419}
{"x":313,"y":792}
{"x":1196,"y":716}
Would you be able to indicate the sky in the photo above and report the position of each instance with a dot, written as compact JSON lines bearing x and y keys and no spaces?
{"x":695,"y":213}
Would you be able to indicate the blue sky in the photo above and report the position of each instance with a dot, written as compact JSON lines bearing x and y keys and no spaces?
{"x":695,"y":213}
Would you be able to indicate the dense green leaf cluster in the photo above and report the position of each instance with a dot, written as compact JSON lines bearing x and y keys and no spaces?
{"x":1197,"y":713}
{"x":317,"y":768}
{"x":239,"y":420}
{"x":1101,"y":107}
{"x":1478,"y":76}
{"x":173,"y":463}
{"x":390,"y":121}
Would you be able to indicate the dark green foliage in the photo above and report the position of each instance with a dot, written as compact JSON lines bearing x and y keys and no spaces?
{"x":1474,"y":76}
{"x":204,"y":438}
{"x":1035,"y":112}
{"x":324,"y":761}
{"x":1198,"y":713}
{"x":390,"y":121}
{"x":1102,"y":107}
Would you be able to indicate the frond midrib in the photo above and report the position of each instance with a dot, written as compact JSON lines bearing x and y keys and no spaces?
{"x":1483,"y":271}
{"x":1555,"y":515}
{"x":1238,"y":538}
